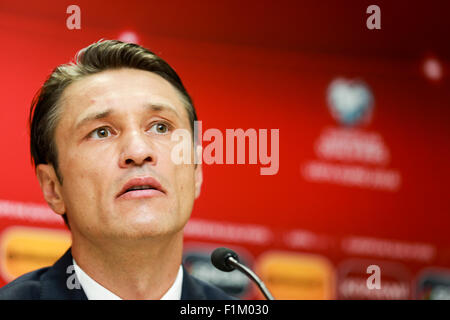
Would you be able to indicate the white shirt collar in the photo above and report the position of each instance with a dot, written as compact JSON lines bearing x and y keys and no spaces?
{"x":95,"y":291}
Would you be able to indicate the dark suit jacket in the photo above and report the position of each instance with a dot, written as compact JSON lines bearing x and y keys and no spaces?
{"x":51,"y":284}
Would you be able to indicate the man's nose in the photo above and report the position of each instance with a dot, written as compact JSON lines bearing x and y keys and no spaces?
{"x":137,"y":149}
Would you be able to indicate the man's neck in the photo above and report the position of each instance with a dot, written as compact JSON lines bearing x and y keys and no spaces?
{"x":139,"y":269}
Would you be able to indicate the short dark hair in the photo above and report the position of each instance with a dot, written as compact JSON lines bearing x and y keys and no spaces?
{"x":97,"y":57}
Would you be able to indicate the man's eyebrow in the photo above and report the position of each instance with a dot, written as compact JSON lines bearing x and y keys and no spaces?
{"x":93,"y":116}
{"x":101,"y":115}
{"x":162,"y":107}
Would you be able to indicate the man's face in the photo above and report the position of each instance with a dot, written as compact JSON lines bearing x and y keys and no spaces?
{"x":114,"y":133}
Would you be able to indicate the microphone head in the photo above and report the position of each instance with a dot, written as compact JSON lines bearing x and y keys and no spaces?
{"x":219,"y":259}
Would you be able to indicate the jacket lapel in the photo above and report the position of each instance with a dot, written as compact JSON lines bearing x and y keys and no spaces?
{"x":190,"y":289}
{"x":59,"y":282}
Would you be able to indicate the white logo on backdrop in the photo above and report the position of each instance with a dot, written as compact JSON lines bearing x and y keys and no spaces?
{"x":347,"y":154}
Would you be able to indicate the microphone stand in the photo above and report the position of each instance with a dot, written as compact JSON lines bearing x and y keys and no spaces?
{"x":251,"y":275}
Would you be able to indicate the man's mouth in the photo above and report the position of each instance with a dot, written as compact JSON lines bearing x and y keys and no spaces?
{"x":142,"y":187}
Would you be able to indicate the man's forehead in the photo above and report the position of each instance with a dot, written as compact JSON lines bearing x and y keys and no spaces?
{"x":119,"y":90}
{"x":109,"y":83}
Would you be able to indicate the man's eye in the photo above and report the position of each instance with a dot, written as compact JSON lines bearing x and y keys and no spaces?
{"x":100,"y":133}
{"x":160,"y":128}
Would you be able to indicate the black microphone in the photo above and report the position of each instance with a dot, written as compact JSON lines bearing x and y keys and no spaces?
{"x":227,"y":260}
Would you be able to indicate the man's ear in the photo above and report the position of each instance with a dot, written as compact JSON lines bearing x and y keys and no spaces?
{"x":51,"y":187}
{"x":198,"y":172}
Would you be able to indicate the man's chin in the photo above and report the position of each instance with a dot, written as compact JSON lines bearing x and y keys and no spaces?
{"x":143,"y":229}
